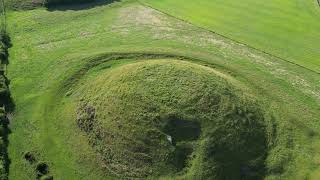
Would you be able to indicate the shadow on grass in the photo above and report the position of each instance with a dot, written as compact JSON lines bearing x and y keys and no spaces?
{"x":7,"y":105}
{"x":4,"y":151}
{"x":7,"y":108}
{"x":79,"y":6}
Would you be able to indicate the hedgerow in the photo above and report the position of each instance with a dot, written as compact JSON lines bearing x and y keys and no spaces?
{"x":5,"y":98}
{"x":32,"y":4}
{"x":59,"y":2}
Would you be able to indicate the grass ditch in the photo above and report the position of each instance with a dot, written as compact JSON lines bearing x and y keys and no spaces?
{"x":94,"y":61}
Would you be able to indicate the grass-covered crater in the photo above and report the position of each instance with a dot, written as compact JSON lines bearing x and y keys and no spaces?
{"x":170,"y":118}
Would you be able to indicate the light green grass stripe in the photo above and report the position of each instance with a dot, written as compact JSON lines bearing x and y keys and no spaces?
{"x":287,"y":29}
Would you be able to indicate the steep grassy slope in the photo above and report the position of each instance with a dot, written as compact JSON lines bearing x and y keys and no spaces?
{"x":55,"y":51}
{"x":159,"y":118}
{"x":288,"y":29}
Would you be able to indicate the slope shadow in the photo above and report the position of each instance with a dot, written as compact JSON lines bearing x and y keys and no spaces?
{"x":79,"y":6}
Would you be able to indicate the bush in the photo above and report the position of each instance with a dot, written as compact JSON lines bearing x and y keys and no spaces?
{"x":23,"y":4}
{"x":60,"y":2}
{"x":4,"y":100}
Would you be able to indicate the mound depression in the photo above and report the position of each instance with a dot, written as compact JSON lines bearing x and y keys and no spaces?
{"x":172,"y":119}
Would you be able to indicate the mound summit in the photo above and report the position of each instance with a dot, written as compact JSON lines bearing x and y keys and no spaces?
{"x":162,"y":118}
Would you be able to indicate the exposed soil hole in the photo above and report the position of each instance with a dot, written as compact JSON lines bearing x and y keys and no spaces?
{"x":86,"y":117}
{"x":182,"y":130}
{"x":181,"y":133}
{"x":30,"y":157}
{"x":181,"y":155}
{"x":42,"y":168}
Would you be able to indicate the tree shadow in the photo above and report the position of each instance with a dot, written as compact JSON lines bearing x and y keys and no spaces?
{"x":4,"y":150}
{"x":79,"y":6}
{"x":7,"y":105}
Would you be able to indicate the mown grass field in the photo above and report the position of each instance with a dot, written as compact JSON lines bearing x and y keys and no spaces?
{"x":288,"y":29}
{"x":63,"y":54}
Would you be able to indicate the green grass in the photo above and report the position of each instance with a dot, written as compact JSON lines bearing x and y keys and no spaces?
{"x":288,"y":29}
{"x":55,"y":51}
{"x":128,"y":111}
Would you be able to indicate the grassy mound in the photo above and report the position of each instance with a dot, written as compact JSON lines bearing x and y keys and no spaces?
{"x":169,"y":118}
{"x":53,"y":45}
